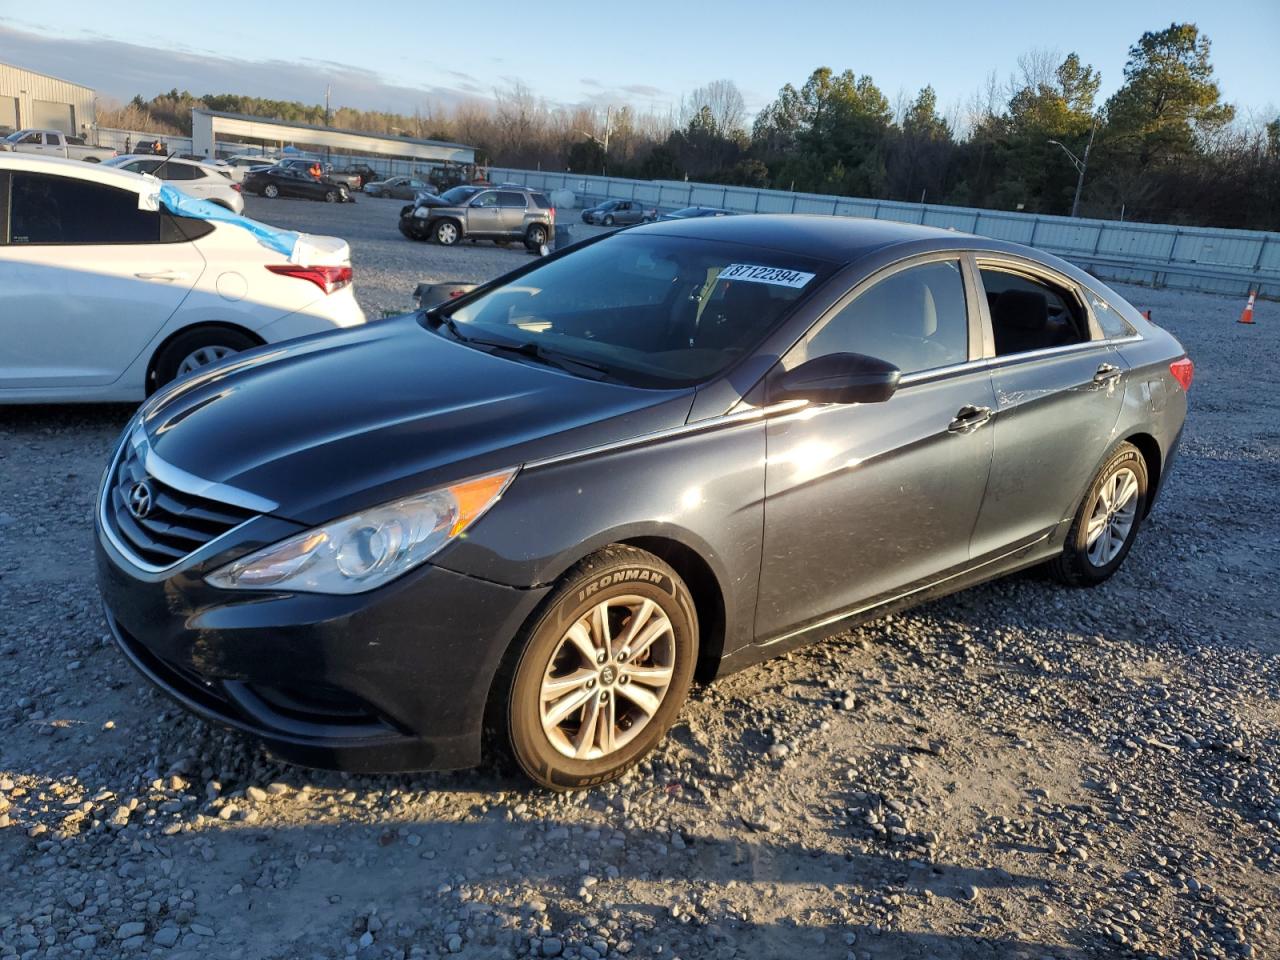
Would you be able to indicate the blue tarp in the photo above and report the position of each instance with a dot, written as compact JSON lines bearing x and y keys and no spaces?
{"x":185,"y":205}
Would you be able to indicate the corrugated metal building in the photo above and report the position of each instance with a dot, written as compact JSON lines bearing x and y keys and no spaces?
{"x":30,"y":99}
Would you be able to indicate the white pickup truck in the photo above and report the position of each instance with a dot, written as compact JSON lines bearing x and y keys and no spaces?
{"x":54,"y":143}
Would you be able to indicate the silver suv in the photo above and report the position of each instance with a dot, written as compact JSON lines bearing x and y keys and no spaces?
{"x":500,"y":214}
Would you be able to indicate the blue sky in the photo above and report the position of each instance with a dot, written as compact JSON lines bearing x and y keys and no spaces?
{"x":388,"y":54}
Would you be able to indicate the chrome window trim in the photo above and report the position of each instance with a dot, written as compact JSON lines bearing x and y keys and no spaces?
{"x":884,"y":273}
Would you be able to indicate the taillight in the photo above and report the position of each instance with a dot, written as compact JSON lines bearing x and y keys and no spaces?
{"x":237,"y":188}
{"x":553,"y":214}
{"x":328,"y":279}
{"x":1183,"y":371}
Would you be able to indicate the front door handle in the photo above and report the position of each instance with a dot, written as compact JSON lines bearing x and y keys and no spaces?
{"x":969,"y":418}
{"x":161,"y":275}
{"x":1107,"y":373}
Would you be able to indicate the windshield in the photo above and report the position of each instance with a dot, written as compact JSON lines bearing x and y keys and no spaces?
{"x":459,"y":194}
{"x":649,"y":310}
{"x":13,"y":137}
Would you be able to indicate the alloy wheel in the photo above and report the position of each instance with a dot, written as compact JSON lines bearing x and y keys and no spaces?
{"x":202,"y":357}
{"x":1112,"y":518}
{"x":607,"y":677}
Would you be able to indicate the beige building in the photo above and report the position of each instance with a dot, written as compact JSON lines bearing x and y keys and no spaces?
{"x":30,"y":99}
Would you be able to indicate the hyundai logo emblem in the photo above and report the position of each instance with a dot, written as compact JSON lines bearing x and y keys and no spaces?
{"x":140,"y":500}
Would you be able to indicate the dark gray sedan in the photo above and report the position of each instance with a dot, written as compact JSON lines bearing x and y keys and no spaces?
{"x":528,"y":518}
{"x":619,"y":213}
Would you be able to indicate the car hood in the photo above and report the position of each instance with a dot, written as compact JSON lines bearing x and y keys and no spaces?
{"x":330,"y":424}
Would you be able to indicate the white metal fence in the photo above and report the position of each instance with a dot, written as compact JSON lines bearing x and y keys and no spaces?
{"x":1193,"y":258}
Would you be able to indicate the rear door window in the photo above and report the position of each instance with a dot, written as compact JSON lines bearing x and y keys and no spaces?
{"x":1029,"y":313}
{"x":64,"y":210}
{"x":508,"y":198}
{"x":917,"y":319}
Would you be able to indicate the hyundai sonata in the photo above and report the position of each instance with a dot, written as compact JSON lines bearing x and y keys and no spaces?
{"x":529,"y":517}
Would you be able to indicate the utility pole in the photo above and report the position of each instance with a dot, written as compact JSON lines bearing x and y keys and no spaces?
{"x":1081,"y":165}
{"x":328,"y":120}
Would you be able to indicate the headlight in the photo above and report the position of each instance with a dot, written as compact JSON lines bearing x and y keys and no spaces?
{"x":367,"y":549}
{"x":422,"y":212}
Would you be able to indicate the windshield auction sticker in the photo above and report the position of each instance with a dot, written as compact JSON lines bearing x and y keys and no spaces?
{"x":778,"y":276}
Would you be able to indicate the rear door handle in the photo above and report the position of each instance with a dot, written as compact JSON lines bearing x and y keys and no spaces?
{"x":969,"y":418}
{"x":1107,"y":373}
{"x":161,"y":275}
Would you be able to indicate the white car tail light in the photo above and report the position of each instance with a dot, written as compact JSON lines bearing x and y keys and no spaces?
{"x":328,"y":279}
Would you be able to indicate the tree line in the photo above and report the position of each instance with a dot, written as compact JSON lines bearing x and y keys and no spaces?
{"x":1164,"y":147}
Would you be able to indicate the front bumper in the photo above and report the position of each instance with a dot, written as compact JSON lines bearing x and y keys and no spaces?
{"x":396,"y":679}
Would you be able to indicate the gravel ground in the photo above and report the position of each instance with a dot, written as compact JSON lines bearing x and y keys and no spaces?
{"x":1017,"y":771}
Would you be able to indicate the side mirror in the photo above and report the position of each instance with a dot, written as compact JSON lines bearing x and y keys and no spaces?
{"x":838,"y":378}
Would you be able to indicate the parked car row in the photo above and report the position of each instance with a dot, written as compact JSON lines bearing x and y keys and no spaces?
{"x":293,"y":178}
{"x":202,"y":180}
{"x":106,"y":293}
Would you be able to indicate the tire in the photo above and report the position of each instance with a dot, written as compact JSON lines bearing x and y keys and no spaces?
{"x":627,"y":584}
{"x":446,"y":233}
{"x":331,"y":196}
{"x":1088,"y":560}
{"x":535,"y":236}
{"x":608,"y":220}
{"x":271,"y":191}
{"x":212,"y":341}
{"x":92,"y":160}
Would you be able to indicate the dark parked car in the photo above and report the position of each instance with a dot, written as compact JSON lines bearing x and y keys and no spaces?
{"x":398,"y":188}
{"x":690,"y":213}
{"x":414,"y":224}
{"x":539,"y":510}
{"x":293,"y":181}
{"x":619,"y":212}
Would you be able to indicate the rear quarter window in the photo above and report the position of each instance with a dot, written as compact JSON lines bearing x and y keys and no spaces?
{"x":540,"y":200}
{"x":1112,"y":323}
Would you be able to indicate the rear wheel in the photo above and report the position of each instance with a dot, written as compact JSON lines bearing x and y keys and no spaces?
{"x":604,"y":670}
{"x":447,"y":233}
{"x":271,"y":191}
{"x":194,"y":349}
{"x":535,"y":236}
{"x":1107,"y":522}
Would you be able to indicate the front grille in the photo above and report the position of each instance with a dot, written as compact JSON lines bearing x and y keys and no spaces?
{"x":176,"y":522}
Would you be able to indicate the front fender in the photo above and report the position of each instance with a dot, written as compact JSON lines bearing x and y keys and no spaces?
{"x":703,"y":491}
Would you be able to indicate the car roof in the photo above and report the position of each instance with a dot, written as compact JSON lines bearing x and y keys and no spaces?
{"x":830,"y":238}
{"x":63,"y":167}
{"x":130,"y":157}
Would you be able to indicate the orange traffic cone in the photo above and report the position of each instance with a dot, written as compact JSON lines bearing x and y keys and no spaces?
{"x":1247,"y":315}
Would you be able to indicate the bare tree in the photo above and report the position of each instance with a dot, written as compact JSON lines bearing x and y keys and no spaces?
{"x":723,"y":99}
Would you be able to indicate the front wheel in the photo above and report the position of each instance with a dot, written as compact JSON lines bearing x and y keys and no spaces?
{"x":1107,"y":522}
{"x":608,"y":221}
{"x":447,"y":233}
{"x":331,"y":196}
{"x":604,"y":671}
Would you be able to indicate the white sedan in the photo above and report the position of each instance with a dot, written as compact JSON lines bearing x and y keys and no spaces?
{"x":107,"y":293}
{"x":202,"y":180}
